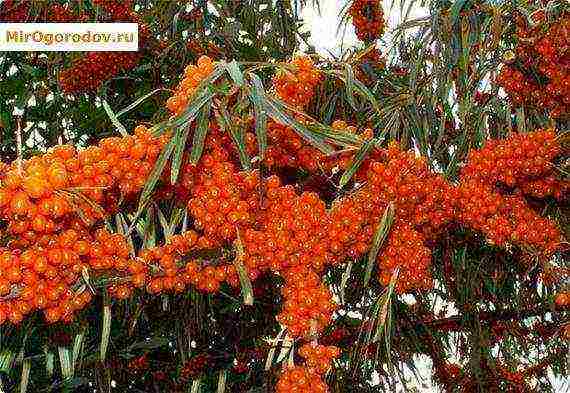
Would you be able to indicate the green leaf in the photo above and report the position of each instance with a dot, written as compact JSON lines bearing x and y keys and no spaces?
{"x":245,"y":282}
{"x":49,"y":363}
{"x":273,"y":349}
{"x":350,"y":85}
{"x":338,"y":137}
{"x":256,"y":95}
{"x":155,"y":174}
{"x":344,"y":280}
{"x":65,"y":362}
{"x":6,"y":359}
{"x":136,"y":103}
{"x":356,"y":161}
{"x":200,"y":134}
{"x":378,"y":240}
{"x":105,"y":332}
{"x":25,"y":379}
{"x":237,"y":134}
{"x":235,"y":73}
{"x":195,"y":386}
{"x":179,"y":143}
{"x":121,"y":128}
{"x":456,"y":9}
{"x":190,"y":113}
{"x":289,"y":121}
{"x":77,"y":348}
{"x":222,"y":375}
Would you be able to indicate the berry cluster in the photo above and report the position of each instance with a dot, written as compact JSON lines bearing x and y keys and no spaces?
{"x":14,"y":11}
{"x":119,"y":10}
{"x":368,"y":19}
{"x":171,"y":272}
{"x":539,"y":76}
{"x":194,"y":367}
{"x":90,"y":71}
{"x":60,"y":14}
{"x":45,"y":193}
{"x":523,"y":160}
{"x":301,"y":379}
{"x":407,"y":252}
{"x":54,"y":203}
{"x":193,"y":76}
{"x":43,"y":277}
{"x":308,"y":305}
{"x":319,"y":357}
{"x":297,"y":86}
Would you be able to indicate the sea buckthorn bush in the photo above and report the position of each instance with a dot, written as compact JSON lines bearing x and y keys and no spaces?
{"x":293,"y":225}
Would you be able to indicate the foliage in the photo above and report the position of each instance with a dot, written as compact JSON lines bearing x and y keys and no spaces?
{"x":494,"y":319}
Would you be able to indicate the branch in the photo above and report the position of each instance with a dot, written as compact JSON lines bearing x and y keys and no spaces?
{"x":455,"y":322}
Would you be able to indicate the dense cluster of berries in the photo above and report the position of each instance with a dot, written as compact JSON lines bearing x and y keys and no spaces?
{"x":90,"y":71}
{"x":287,"y":149}
{"x":60,"y":14}
{"x":319,"y":357}
{"x":308,"y":305}
{"x":119,"y":10}
{"x":517,"y":161}
{"x":539,"y":76}
{"x":367,"y":18}
{"x":171,"y":272}
{"x":301,"y":379}
{"x":14,"y":11}
{"x":523,"y":162}
{"x":45,"y":193}
{"x":406,"y":251}
{"x":195,"y":366}
{"x":42,"y":277}
{"x":297,"y":86}
{"x":193,"y":76}
{"x":308,"y":377}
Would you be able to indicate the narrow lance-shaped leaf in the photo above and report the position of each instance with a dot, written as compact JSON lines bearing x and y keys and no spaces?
{"x":350,"y":85}
{"x":200,"y":134}
{"x":256,"y":94}
{"x":179,"y":143}
{"x":77,"y":348}
{"x":25,"y":379}
{"x":195,"y":386}
{"x":289,"y":121}
{"x":356,"y":161}
{"x":235,"y":73}
{"x":245,"y":282}
{"x":65,"y":362}
{"x":121,"y":128}
{"x":163,"y":222}
{"x":378,"y":240}
{"x":105,"y":332}
{"x":6,"y":359}
{"x":50,"y":359}
{"x":286,"y":346}
{"x":338,"y":137}
{"x":273,"y":349}
{"x":237,"y":134}
{"x":155,"y":174}
{"x":344,"y":280}
{"x":222,"y":381}
{"x":190,"y":113}
{"x":136,"y":103}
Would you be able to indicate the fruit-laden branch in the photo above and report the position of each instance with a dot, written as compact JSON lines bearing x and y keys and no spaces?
{"x":455,"y":322}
